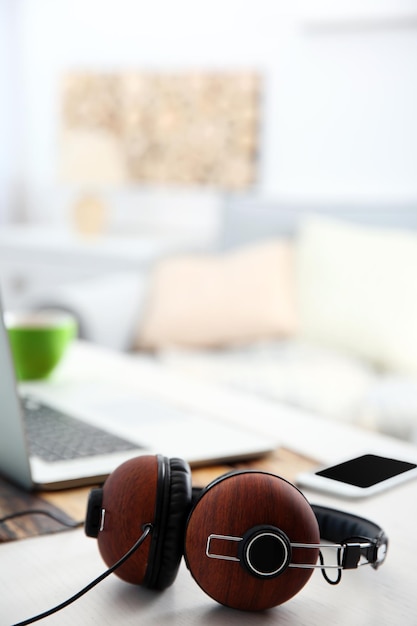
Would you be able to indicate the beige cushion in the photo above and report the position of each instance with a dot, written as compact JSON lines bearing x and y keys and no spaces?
{"x":216,"y":300}
{"x":357,"y":290}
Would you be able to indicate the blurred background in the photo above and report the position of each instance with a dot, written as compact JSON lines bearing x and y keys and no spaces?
{"x":133,"y":132}
{"x":332,"y":96}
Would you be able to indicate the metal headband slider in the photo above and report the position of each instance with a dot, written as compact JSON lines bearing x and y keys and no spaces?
{"x":223,"y":557}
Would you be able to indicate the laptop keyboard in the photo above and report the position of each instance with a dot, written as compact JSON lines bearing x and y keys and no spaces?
{"x":56,"y":436}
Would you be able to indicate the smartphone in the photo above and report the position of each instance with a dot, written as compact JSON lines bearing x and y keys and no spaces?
{"x":360,"y":477}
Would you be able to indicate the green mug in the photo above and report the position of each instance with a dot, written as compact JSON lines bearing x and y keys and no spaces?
{"x":38,"y":340}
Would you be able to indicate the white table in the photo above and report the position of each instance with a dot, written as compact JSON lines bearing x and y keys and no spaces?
{"x":39,"y":573}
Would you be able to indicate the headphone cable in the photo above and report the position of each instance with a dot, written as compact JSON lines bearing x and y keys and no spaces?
{"x":338,"y":578}
{"x":146,"y":530}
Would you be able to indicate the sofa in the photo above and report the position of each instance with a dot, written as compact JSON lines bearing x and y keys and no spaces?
{"x":311,"y":306}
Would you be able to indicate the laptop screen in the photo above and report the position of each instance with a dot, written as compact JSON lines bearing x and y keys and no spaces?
{"x":14,"y":457}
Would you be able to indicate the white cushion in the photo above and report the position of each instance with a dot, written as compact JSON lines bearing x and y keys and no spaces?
{"x":221,"y":299}
{"x":357,"y":290}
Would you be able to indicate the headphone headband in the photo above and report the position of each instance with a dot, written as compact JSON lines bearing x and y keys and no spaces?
{"x":358,"y":536}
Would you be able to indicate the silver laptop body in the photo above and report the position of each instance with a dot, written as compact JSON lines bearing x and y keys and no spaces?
{"x":155,"y":427}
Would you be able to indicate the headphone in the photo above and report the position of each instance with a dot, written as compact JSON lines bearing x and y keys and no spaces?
{"x":250,"y":539}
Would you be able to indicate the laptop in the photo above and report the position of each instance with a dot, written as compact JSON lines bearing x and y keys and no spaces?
{"x":46,"y":446}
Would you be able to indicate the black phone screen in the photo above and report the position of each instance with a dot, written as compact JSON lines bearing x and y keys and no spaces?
{"x":367,"y":470}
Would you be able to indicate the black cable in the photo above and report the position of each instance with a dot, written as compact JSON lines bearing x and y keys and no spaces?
{"x":53,"y":516}
{"x":146,"y":530}
{"x":338,"y":578}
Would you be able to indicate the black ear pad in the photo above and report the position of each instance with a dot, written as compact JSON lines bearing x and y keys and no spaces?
{"x":173,"y":505}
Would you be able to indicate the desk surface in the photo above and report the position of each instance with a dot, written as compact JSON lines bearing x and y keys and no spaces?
{"x":40,"y":572}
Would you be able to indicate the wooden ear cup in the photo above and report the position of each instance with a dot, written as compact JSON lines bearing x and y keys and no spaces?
{"x":238,"y":536}
{"x":147,"y":489}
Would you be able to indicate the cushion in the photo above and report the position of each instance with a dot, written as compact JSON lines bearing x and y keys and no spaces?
{"x":357,"y":290}
{"x":221,"y":299}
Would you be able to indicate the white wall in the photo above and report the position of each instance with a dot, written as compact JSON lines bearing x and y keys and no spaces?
{"x":347,"y":123}
{"x":11,"y":157}
{"x":340,"y":82}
